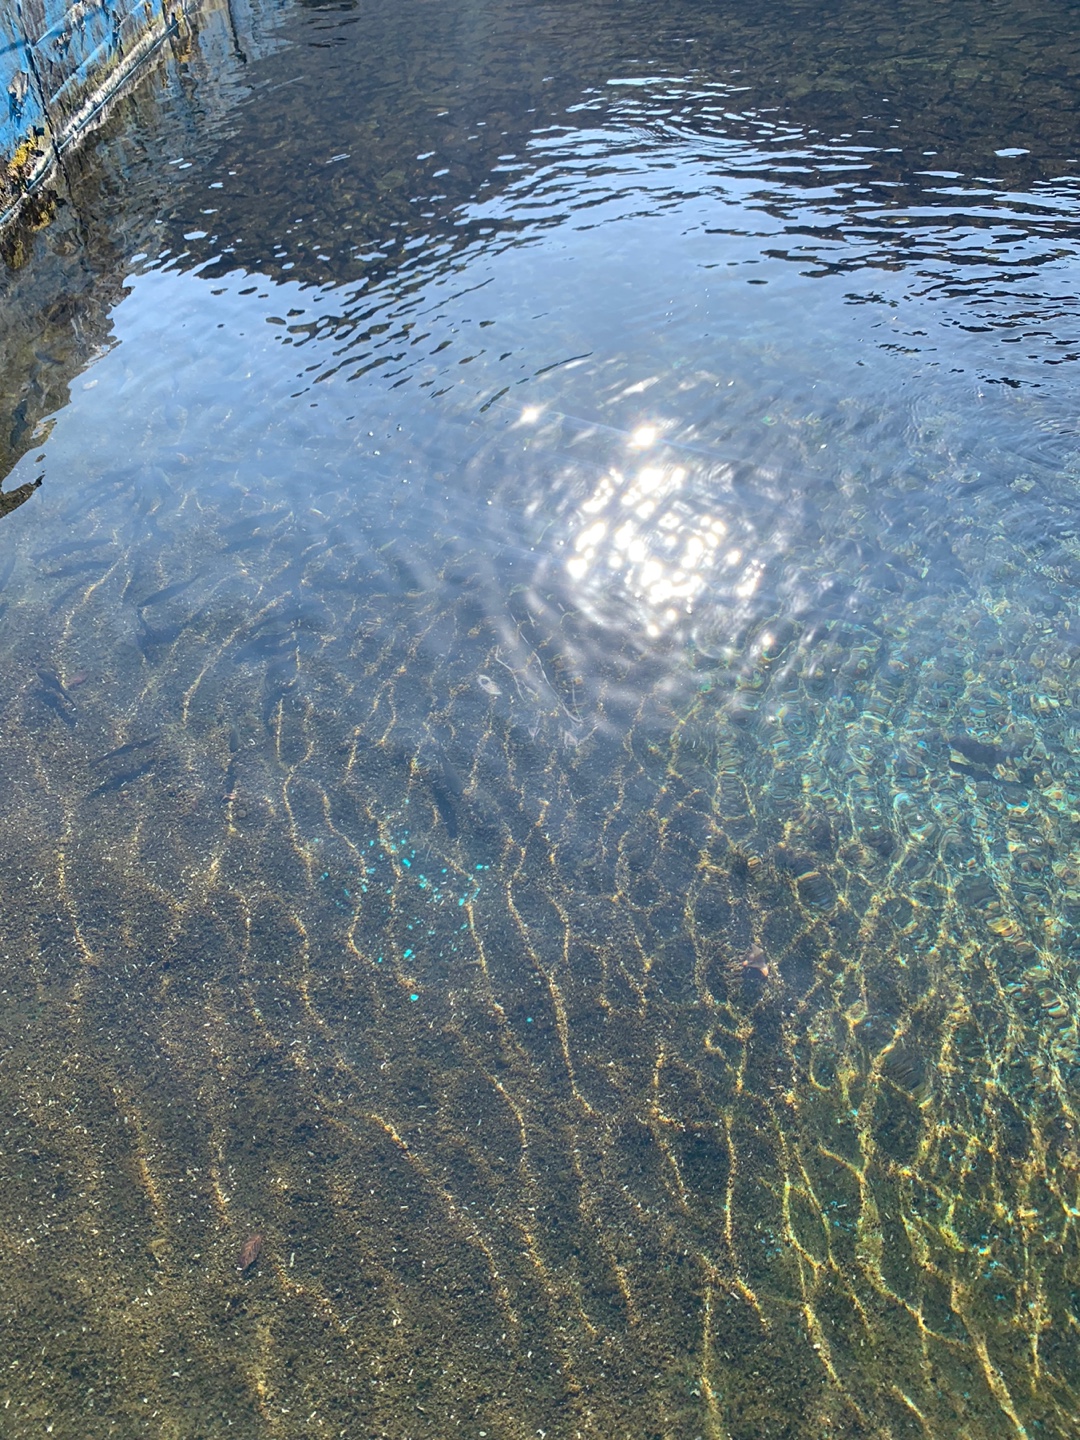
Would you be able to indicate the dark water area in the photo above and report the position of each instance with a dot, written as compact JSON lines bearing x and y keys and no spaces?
{"x":539,"y":722}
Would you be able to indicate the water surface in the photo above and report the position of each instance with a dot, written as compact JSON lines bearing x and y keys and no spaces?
{"x":540,"y":730}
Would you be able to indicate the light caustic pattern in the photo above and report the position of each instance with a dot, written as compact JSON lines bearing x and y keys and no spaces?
{"x":385,"y":933}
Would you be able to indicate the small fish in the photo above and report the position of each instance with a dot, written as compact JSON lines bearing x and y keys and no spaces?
{"x":959,"y":768}
{"x":56,"y":703}
{"x":446,"y":787}
{"x":127,"y":749}
{"x":249,"y":542}
{"x":266,"y":645}
{"x":76,"y":567}
{"x":147,"y":639}
{"x":117,"y":782}
{"x":71,"y":547}
{"x":52,"y":681}
{"x":238,"y":529}
{"x":159,"y":597}
{"x":274,"y":697}
{"x":977,"y":752}
{"x":249,"y":1252}
{"x":230,"y":792}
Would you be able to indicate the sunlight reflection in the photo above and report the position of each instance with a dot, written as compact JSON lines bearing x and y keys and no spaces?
{"x":645,"y":528}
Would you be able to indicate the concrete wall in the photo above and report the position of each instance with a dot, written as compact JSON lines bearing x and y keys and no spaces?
{"x":60,"y":62}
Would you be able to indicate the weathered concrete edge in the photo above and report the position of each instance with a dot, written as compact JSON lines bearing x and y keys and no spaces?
{"x":42,"y":149}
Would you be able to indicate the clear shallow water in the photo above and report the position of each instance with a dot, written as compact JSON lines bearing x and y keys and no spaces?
{"x":540,"y":733}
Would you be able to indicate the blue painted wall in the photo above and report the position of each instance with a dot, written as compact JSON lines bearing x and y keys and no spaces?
{"x":58,"y":58}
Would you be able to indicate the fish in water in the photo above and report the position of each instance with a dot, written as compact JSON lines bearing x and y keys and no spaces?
{"x":72,"y":547}
{"x":127,"y":749}
{"x":53,"y":695}
{"x":117,"y":782}
{"x":52,"y":681}
{"x":446,"y":787}
{"x":147,"y":639}
{"x":267,"y":645}
{"x":55,"y":703}
{"x":159,"y":597}
{"x":75,"y":567}
{"x":977,"y":752}
{"x":249,"y":1252}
